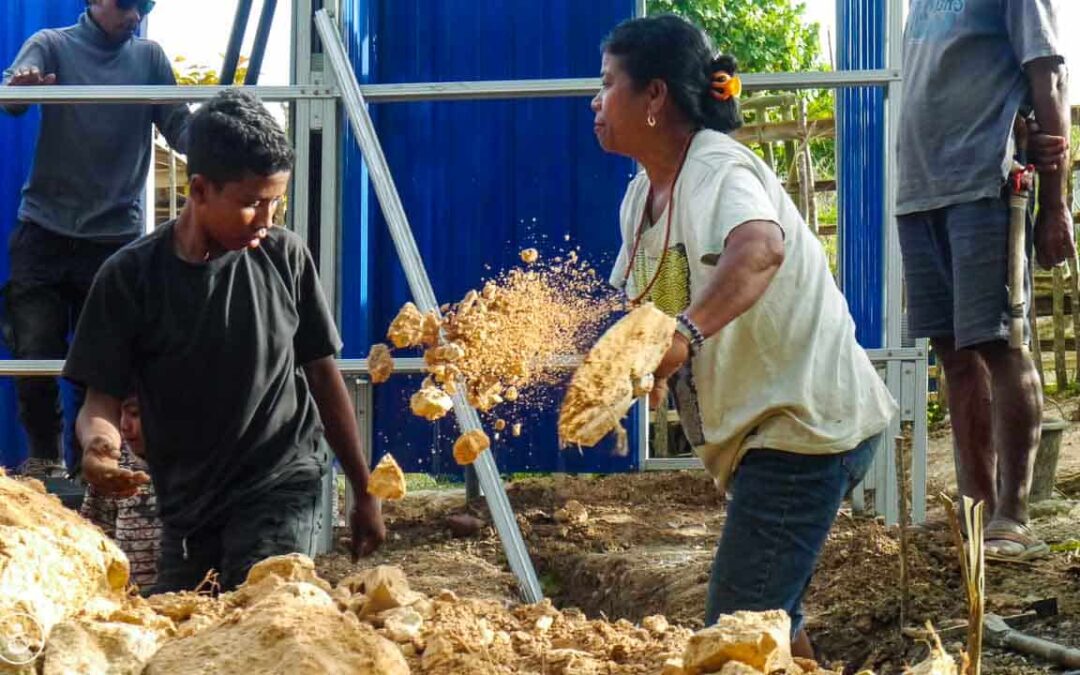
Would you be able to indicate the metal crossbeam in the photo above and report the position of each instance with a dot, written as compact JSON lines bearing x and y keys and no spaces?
{"x":150,"y":94}
{"x":394,"y":213}
{"x":421,"y":91}
{"x":348,"y":367}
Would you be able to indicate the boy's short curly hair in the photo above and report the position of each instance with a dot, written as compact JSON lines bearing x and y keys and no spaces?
{"x":233,"y":136}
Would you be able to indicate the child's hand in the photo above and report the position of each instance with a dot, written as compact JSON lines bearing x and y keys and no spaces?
{"x":101,"y":469}
{"x":366,"y":523}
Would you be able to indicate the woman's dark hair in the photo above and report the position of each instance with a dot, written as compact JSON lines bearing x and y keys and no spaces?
{"x":232,"y":136}
{"x":669,"y":48}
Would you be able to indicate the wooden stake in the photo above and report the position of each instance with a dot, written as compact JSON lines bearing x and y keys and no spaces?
{"x":976,"y":588}
{"x":902,"y":492}
{"x":972,"y":569}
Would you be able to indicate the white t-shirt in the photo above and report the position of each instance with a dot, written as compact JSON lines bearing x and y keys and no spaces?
{"x":787,"y":374}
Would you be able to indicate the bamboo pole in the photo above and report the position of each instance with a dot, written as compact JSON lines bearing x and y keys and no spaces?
{"x":1074,"y":310}
{"x":1036,"y":341}
{"x":788,"y":116}
{"x":1061,"y":371}
{"x":808,"y":163}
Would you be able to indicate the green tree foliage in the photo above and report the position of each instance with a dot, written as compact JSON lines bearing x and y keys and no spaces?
{"x":765,"y":35}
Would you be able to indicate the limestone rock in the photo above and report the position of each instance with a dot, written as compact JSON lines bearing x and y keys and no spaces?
{"x":380,"y":363}
{"x":290,"y":567}
{"x":431,"y":403}
{"x":407,"y":328}
{"x":387,"y":481}
{"x":574,"y":662}
{"x":469,"y":445}
{"x":938,"y":663}
{"x":295,"y":629}
{"x":402,"y":624}
{"x":738,"y":668}
{"x":761,"y":640}
{"x":603,"y":387}
{"x":384,"y":587}
{"x":673,"y":666}
{"x":112,"y":635}
{"x":429,"y":329}
{"x":572,"y":513}
{"x":51,"y":560}
{"x":656,"y":623}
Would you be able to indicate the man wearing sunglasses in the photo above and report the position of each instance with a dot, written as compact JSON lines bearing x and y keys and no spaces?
{"x":83,"y":199}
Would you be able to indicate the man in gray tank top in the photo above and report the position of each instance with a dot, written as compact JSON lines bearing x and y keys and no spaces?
{"x":83,"y":199}
{"x":969,"y":68}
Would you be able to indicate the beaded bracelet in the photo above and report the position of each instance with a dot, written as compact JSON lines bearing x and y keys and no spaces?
{"x":690,"y":330}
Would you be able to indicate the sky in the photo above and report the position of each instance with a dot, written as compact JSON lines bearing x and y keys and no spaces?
{"x":199,"y":30}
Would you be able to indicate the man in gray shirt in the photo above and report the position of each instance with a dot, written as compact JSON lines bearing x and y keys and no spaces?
{"x":969,"y":67}
{"x":83,"y":200}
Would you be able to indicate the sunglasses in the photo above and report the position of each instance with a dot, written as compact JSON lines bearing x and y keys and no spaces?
{"x":144,"y":6}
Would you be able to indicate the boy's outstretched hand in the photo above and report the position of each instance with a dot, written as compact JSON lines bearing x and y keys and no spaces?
{"x":101,"y":468}
{"x":366,"y":524}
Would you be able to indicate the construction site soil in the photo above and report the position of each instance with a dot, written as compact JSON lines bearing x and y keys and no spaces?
{"x":643,"y":545}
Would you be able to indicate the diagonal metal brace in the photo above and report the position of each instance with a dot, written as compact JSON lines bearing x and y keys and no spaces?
{"x":423,"y":294}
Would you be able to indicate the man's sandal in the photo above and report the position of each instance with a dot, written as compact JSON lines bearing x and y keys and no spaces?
{"x":1012,"y":542}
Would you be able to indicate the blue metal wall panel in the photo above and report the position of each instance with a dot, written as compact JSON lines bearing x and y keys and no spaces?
{"x":861,"y":167}
{"x":17,"y":135}
{"x":479,"y":181}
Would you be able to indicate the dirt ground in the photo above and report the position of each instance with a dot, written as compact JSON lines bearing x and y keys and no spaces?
{"x":647,"y":546}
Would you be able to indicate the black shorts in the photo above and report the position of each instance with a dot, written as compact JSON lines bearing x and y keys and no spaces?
{"x":285,"y":519}
{"x":956,"y":268}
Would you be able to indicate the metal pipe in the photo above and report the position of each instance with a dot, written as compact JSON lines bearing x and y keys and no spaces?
{"x":423,"y":91}
{"x":262,"y":36}
{"x":406,"y":366}
{"x":152,"y":94}
{"x":236,"y":40}
{"x":173,"y":186}
{"x":424,"y":295}
{"x":587,"y":86}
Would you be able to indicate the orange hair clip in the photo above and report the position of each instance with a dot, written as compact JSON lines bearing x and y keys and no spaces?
{"x":725,"y":86}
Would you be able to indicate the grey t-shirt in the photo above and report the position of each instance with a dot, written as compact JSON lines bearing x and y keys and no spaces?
{"x":215,"y":351}
{"x":963,"y":85}
{"x":90,"y":166}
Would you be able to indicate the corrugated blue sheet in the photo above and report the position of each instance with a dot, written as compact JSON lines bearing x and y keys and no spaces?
{"x":861,"y":166}
{"x":17,"y":135}
{"x":479,"y":181}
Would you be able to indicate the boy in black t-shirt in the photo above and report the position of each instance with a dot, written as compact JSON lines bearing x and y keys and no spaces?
{"x":220,"y":320}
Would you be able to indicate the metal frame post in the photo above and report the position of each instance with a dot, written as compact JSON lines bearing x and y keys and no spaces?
{"x":236,"y":41}
{"x":394,"y":213}
{"x":262,"y":36}
{"x":314,"y":107}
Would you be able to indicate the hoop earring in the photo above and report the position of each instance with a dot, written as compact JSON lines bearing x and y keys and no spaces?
{"x":650,"y":120}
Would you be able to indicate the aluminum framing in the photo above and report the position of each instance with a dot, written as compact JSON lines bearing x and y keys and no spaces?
{"x":419,"y":91}
{"x":60,"y":94}
{"x":316,"y":108}
{"x":382,"y":180}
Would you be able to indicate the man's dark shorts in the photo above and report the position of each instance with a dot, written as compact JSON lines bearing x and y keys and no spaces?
{"x":285,"y":519}
{"x":956,"y":267}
